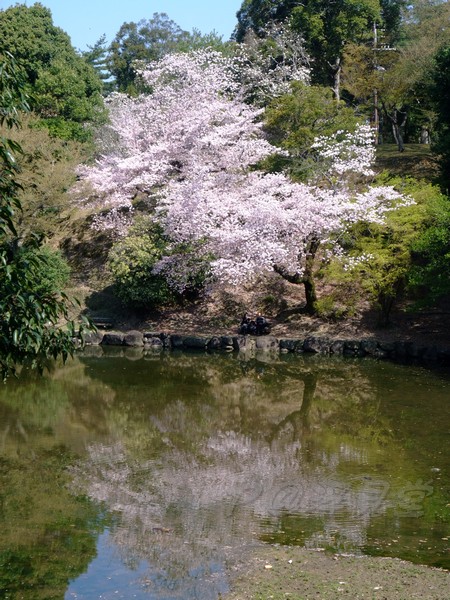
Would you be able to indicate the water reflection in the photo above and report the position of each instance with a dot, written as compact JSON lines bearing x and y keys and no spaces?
{"x":200,"y":457}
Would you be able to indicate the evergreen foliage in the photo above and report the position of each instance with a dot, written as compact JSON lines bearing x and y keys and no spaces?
{"x":440,"y":94}
{"x":256,"y":14}
{"x":98,"y":56}
{"x":30,"y":307}
{"x":64,"y":89}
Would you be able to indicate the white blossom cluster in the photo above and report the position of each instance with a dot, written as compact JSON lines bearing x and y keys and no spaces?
{"x":347,"y":152}
{"x":252,"y":222}
{"x":353,"y":262}
{"x":192,"y":120}
{"x":118,"y":220}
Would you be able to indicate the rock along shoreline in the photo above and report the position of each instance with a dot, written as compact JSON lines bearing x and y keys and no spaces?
{"x":396,"y":350}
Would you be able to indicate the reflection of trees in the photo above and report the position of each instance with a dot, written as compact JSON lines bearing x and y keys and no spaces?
{"x":265,"y":440}
{"x":65,"y":405}
{"x":198,"y":455}
{"x":299,"y":420}
{"x":47,"y":535}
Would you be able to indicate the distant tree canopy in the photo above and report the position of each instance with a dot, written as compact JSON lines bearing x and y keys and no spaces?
{"x":326,"y":27}
{"x":64,"y":90}
{"x":256,"y":14}
{"x":142,"y":42}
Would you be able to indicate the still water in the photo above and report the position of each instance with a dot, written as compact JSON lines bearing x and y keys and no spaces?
{"x":151,"y":477}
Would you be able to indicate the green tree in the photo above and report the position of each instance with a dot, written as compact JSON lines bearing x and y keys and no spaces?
{"x":46,"y":171}
{"x":142,"y":42}
{"x":380,"y":85}
{"x":30,"y":316}
{"x":440,"y":95}
{"x":12,"y":100}
{"x":407,"y":256}
{"x":394,"y":70}
{"x":97,"y":57}
{"x":326,"y":27}
{"x":64,"y":89}
{"x":257,"y":14}
{"x":293,"y":120}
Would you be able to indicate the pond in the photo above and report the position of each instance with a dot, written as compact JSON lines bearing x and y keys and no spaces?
{"x":152,"y":476}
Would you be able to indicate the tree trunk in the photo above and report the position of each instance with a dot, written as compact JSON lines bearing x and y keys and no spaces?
{"x":397,"y":120}
{"x":307,"y":277}
{"x":337,"y":70}
{"x":386,"y":302}
{"x":311,"y":296}
{"x":397,"y":136}
{"x":299,"y":419}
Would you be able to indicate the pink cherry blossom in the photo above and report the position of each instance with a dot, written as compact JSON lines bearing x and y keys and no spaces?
{"x":192,"y":145}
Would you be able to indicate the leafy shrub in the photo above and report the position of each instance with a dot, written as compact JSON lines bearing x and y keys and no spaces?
{"x":33,"y":307}
{"x":131,"y":261}
{"x":410,"y":251}
{"x":430,"y":273}
{"x":46,"y":270}
{"x":329,"y":308}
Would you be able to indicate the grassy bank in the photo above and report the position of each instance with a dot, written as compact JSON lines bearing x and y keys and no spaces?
{"x":281,"y":573}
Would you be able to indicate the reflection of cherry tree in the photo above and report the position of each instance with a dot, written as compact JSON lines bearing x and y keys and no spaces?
{"x":195,"y":503}
{"x":184,"y":510}
{"x":264,"y":444}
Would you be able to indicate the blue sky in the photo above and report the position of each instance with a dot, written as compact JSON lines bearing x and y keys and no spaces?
{"x":86,"y":20}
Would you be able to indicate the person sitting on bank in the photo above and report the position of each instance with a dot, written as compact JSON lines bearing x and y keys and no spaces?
{"x":247,"y":327}
{"x":262,"y":325}
{"x":259,"y":326}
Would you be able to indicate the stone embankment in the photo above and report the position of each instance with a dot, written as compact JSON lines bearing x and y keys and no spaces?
{"x":404,"y":351}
